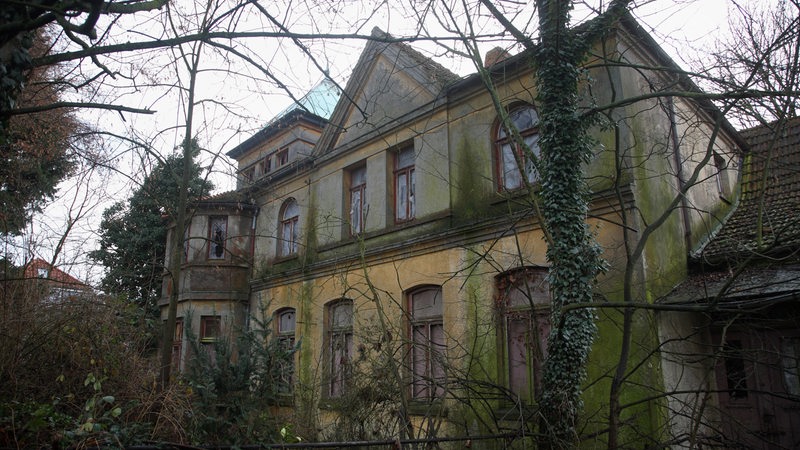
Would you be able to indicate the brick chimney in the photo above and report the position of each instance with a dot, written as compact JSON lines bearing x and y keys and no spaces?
{"x":495,"y":55}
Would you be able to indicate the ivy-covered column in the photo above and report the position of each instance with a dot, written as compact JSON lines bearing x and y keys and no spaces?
{"x":573,"y":254}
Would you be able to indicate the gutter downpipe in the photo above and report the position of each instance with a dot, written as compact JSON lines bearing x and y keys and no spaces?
{"x":252,"y":268}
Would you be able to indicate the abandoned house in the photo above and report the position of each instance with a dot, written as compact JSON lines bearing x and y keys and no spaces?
{"x":390,"y":229}
{"x":740,"y":336}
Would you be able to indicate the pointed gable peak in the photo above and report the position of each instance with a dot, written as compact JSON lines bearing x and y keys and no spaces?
{"x":379,"y":34}
{"x":390,"y":80}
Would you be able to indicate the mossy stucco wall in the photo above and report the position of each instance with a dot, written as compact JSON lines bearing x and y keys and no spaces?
{"x":466,"y":233}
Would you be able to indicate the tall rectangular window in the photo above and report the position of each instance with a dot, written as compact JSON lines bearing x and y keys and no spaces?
{"x":735,"y":371}
{"x":524,"y":301}
{"x":340,"y":345}
{"x":358,"y":191}
{"x":285,"y":331}
{"x":427,"y":343}
{"x":266,"y":165}
{"x":217,"y":233}
{"x":186,"y":234}
{"x":249,"y":175}
{"x":290,"y":215}
{"x":404,"y":181}
{"x":510,"y":155}
{"x":177,"y":344}
{"x":721,"y":175}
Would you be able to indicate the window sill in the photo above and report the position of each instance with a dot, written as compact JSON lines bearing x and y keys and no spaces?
{"x":505,"y":195}
{"x":281,"y":259}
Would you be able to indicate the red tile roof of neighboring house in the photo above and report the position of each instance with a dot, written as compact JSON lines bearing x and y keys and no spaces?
{"x":767,"y":219}
{"x":53,"y":274}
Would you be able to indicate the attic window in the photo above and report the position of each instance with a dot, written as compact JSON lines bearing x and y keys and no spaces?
{"x":249,"y":174}
{"x":282,"y":157}
{"x":266,"y":166}
{"x":42,"y":272}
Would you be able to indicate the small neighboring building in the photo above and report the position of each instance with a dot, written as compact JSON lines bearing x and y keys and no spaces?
{"x":53,"y":284}
{"x":737,"y":359}
{"x":397,"y":239}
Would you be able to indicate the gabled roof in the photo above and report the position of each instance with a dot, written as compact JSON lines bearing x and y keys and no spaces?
{"x":427,"y":75}
{"x":767,"y":219}
{"x":51,"y":273}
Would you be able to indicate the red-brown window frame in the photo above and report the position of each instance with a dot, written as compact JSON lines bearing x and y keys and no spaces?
{"x":338,"y":379}
{"x":431,"y":390}
{"x":287,"y":339}
{"x":210,"y":329}
{"x":212,"y":241}
{"x":410,"y":198}
{"x":360,"y":189}
{"x":292,"y":223}
{"x":537,"y":314}
{"x":499,"y":142}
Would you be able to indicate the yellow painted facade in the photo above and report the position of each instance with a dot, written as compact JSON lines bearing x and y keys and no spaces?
{"x":467,"y":241}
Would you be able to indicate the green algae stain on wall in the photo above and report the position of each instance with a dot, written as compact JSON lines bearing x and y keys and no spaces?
{"x":468,"y":185}
{"x":665,"y":252}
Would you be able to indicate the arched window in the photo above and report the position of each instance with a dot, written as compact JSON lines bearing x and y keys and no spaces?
{"x":507,"y":151}
{"x":523,"y":304}
{"x":427,"y":342}
{"x":288,"y":237}
{"x":339,"y":344}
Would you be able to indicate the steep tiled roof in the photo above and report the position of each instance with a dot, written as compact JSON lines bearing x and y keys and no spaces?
{"x":39,"y":268}
{"x":770,"y":197}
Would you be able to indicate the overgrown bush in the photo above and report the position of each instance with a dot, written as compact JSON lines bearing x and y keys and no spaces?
{"x":82,"y":371}
{"x":234,"y":386}
{"x":74,"y":370}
